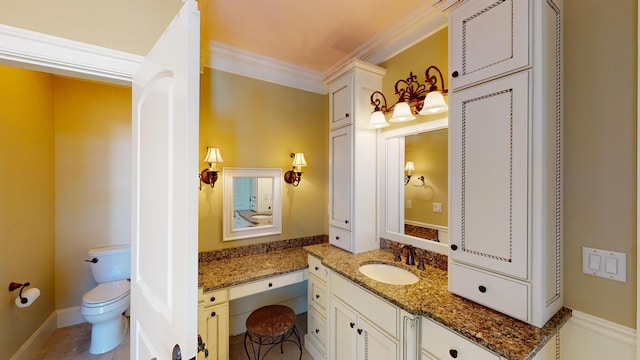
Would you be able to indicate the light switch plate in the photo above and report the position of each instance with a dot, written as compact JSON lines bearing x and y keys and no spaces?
{"x":604,"y":263}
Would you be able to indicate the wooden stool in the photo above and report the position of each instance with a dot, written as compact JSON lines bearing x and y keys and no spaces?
{"x":271,"y":325}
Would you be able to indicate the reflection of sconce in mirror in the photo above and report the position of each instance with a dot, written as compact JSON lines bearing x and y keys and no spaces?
{"x":293,"y":176}
{"x":210,"y":174}
{"x":409,"y":168}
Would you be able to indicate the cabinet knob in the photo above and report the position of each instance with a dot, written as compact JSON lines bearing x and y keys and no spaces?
{"x":482,"y":289}
{"x":337,"y":237}
{"x":359,"y":331}
{"x":270,"y":284}
{"x":317,"y":331}
{"x":213,"y":298}
{"x":453,"y":353}
{"x":346,"y":115}
{"x":317,"y":296}
{"x":352,"y":324}
{"x":454,"y":247}
{"x":454,"y":74}
{"x":346,"y":221}
{"x":317,"y":268}
{"x":213,"y":314}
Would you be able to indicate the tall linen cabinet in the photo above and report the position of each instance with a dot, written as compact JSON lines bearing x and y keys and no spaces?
{"x":352,"y":156}
{"x":506,"y":156}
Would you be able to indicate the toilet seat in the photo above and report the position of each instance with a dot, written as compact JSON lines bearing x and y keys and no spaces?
{"x":105,"y":294}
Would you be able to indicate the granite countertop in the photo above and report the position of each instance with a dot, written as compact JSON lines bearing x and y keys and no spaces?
{"x":429,"y":297}
{"x":213,"y":275}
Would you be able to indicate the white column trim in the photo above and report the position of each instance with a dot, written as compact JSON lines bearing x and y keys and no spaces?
{"x":42,"y":52}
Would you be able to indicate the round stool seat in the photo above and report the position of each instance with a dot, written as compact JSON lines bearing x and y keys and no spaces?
{"x":271,"y":325}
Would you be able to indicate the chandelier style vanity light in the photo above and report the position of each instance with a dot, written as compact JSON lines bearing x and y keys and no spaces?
{"x":414,"y":98}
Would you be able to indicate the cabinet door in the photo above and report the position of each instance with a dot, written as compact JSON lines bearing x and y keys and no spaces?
{"x":341,"y":102}
{"x":344,"y":336}
{"x":340,"y":182}
{"x":489,"y":175}
{"x":373,"y":343}
{"x":488,"y":38}
{"x":217,"y":329}
{"x":317,"y":329}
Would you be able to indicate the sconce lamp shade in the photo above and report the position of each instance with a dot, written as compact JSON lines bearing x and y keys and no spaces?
{"x":377,"y":120}
{"x":434,"y":103}
{"x":299,"y":160}
{"x":409,"y":167}
{"x":213,"y":156}
{"x":402,"y":112}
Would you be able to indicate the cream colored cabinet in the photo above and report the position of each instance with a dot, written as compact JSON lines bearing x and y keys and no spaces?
{"x":439,"y":343}
{"x":505,"y":121}
{"x":213,"y":324}
{"x":317,"y":335}
{"x":352,"y":157}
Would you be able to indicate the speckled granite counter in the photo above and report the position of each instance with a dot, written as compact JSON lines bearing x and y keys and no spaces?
{"x":223,"y":273}
{"x":429,"y":297}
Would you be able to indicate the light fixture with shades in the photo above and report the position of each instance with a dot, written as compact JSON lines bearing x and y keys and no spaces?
{"x":409,"y":168}
{"x":210,"y":174}
{"x":293,"y":176}
{"x":414,"y":98}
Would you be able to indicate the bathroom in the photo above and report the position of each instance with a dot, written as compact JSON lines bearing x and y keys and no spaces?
{"x":67,"y":227}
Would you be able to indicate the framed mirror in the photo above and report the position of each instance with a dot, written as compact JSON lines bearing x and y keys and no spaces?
{"x":407,"y":204}
{"x":251,"y":202}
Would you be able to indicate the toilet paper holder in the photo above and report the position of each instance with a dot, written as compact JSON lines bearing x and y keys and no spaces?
{"x":15,"y":286}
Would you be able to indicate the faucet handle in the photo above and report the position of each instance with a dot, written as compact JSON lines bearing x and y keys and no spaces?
{"x":421,"y":263}
{"x":397,"y":257}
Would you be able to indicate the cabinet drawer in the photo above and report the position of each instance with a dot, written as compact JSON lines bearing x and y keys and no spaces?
{"x":317,"y":269}
{"x":317,"y":330}
{"x":214,"y":297}
{"x":340,"y":238}
{"x":265,"y":284}
{"x":445,"y":344}
{"x":507,"y":296}
{"x":378,"y":311}
{"x":318,"y":295}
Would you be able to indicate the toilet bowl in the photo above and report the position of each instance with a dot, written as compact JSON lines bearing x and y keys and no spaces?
{"x":103,"y":307}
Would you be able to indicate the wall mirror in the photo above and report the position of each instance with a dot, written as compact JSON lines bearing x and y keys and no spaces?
{"x":251,"y":202}
{"x":405,"y":209}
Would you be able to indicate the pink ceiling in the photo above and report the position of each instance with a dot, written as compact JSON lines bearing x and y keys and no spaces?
{"x":313,"y":34}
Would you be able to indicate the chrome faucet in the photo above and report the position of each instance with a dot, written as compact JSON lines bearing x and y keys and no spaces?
{"x":412,"y":254}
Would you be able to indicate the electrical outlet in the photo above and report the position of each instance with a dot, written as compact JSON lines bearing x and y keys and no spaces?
{"x":409,"y":204}
{"x":437,"y":207}
{"x":604,"y":263}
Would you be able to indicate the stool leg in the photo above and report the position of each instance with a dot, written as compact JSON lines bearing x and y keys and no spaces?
{"x":295,"y":332}
{"x":245,"y":345}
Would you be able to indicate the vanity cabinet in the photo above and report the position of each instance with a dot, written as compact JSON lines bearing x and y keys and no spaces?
{"x":352,"y":157}
{"x":505,"y":156}
{"x":317,"y":335}
{"x":362,"y":325}
{"x":439,"y":343}
{"x":213,"y":324}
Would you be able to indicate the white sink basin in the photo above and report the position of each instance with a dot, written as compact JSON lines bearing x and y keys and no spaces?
{"x":388,"y":274}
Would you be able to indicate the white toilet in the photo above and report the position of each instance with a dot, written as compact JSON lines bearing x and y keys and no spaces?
{"x":104,"y":305}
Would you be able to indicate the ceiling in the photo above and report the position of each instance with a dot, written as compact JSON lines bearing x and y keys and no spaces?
{"x":315,"y":35}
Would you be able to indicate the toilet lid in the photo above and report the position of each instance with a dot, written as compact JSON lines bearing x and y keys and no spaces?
{"x":106,"y":293}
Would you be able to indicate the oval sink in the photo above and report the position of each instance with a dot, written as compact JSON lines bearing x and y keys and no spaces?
{"x":388,"y":274}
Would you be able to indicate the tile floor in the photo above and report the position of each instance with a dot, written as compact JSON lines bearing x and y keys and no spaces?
{"x":72,"y":343}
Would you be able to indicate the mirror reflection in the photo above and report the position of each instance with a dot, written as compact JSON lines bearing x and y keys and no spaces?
{"x":251,"y":202}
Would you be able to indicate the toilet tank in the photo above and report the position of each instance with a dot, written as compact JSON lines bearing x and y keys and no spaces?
{"x":113,"y":263}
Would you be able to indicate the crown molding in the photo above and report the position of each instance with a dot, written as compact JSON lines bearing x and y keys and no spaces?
{"x":42,"y":52}
{"x":246,"y":63}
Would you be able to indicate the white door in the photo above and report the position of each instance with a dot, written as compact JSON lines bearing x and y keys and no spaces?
{"x":164,"y":244}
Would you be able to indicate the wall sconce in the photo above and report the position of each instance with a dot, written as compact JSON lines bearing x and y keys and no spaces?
{"x":210,"y":174}
{"x":293,"y":176}
{"x":421,"y":178}
{"x":414,"y":98}
{"x":408,"y":168}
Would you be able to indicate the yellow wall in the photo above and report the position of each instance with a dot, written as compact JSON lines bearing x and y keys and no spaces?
{"x":92,"y":177}
{"x":26,"y":200}
{"x":600,"y":54}
{"x":258,"y":124}
{"x":430,"y":51}
{"x":114,"y":24}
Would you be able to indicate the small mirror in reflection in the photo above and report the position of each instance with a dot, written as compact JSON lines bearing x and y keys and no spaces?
{"x":252,"y":201}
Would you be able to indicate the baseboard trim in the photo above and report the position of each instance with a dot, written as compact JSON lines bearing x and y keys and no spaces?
{"x":69,"y":317}
{"x":604,"y":327}
{"x":36,"y":341}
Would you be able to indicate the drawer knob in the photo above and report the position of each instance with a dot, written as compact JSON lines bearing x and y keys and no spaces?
{"x":346,"y":115}
{"x":346,"y":221}
{"x":453,"y":353}
{"x":213,"y":298}
{"x":317,"y":296}
{"x":270,"y":284}
{"x":213,"y":314}
{"x":352,"y":324}
{"x":454,"y":247}
{"x":317,"y":268}
{"x":454,"y":74}
{"x":482,"y":289}
{"x":359,"y":331}
{"x":337,"y":237}
{"x":317,"y":331}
